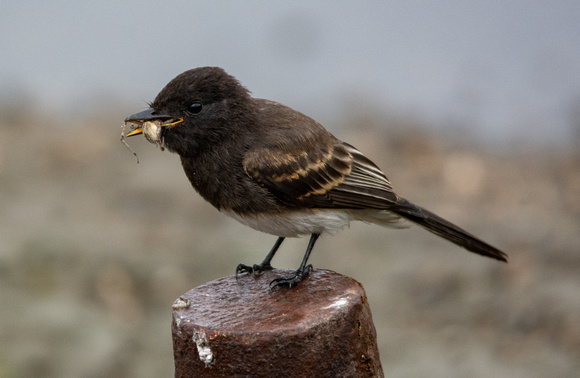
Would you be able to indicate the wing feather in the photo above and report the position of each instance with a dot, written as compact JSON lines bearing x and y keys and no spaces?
{"x":339,"y":176}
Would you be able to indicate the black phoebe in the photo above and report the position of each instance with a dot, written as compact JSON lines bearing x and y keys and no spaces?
{"x":275,"y":169}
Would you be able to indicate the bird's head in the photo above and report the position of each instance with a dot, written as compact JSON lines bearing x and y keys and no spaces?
{"x":198,"y":108}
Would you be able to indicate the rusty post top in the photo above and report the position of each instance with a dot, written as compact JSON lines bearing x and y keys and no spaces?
{"x":242,"y":328}
{"x":247,"y":303}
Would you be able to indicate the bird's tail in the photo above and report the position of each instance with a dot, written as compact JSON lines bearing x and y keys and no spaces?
{"x":446,"y":229}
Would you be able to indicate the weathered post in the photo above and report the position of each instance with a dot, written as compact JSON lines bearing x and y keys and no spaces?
{"x":240,"y":327}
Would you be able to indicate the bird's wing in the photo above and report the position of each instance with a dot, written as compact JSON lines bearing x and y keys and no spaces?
{"x":341,"y":177}
{"x":338,"y":176}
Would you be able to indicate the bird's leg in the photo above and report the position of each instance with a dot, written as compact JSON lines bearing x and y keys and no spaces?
{"x":264,"y":265}
{"x":301,"y":272}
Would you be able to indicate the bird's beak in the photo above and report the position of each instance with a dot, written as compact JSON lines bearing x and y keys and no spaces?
{"x":137,"y":131}
{"x":149,"y":115}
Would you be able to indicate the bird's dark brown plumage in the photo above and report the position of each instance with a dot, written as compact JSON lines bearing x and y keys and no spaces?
{"x":276,"y":169}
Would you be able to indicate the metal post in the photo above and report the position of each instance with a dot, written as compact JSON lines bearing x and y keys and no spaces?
{"x":240,"y":327}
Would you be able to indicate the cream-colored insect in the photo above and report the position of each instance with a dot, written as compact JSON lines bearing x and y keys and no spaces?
{"x":152,"y":130}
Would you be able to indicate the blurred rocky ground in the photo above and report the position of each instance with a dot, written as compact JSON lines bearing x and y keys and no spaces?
{"x":94,"y":248}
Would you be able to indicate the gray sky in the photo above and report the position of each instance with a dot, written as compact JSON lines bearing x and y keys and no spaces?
{"x":509,"y":69}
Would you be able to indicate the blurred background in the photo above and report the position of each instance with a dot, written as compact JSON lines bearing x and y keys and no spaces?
{"x":471,"y":108}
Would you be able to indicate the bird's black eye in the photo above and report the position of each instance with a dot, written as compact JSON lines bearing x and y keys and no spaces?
{"x":195,"y":107}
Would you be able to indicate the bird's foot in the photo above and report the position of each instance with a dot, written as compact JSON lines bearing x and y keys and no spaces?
{"x":255,"y":269}
{"x":292,"y":280}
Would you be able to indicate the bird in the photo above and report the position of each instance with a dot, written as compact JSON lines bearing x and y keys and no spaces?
{"x":276,"y":170}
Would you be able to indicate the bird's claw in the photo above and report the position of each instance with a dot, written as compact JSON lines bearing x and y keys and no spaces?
{"x":292,"y":280}
{"x":255,"y":269}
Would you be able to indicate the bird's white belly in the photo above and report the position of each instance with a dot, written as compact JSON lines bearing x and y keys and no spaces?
{"x":309,"y":221}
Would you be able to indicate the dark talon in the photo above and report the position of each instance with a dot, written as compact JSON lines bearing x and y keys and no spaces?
{"x":255,"y":269}
{"x":292,"y":280}
{"x":264,"y":265}
{"x":289,"y":281}
{"x":243,"y":268}
{"x":301,"y":272}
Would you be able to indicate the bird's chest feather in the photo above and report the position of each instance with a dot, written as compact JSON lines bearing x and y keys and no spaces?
{"x":221,"y":180}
